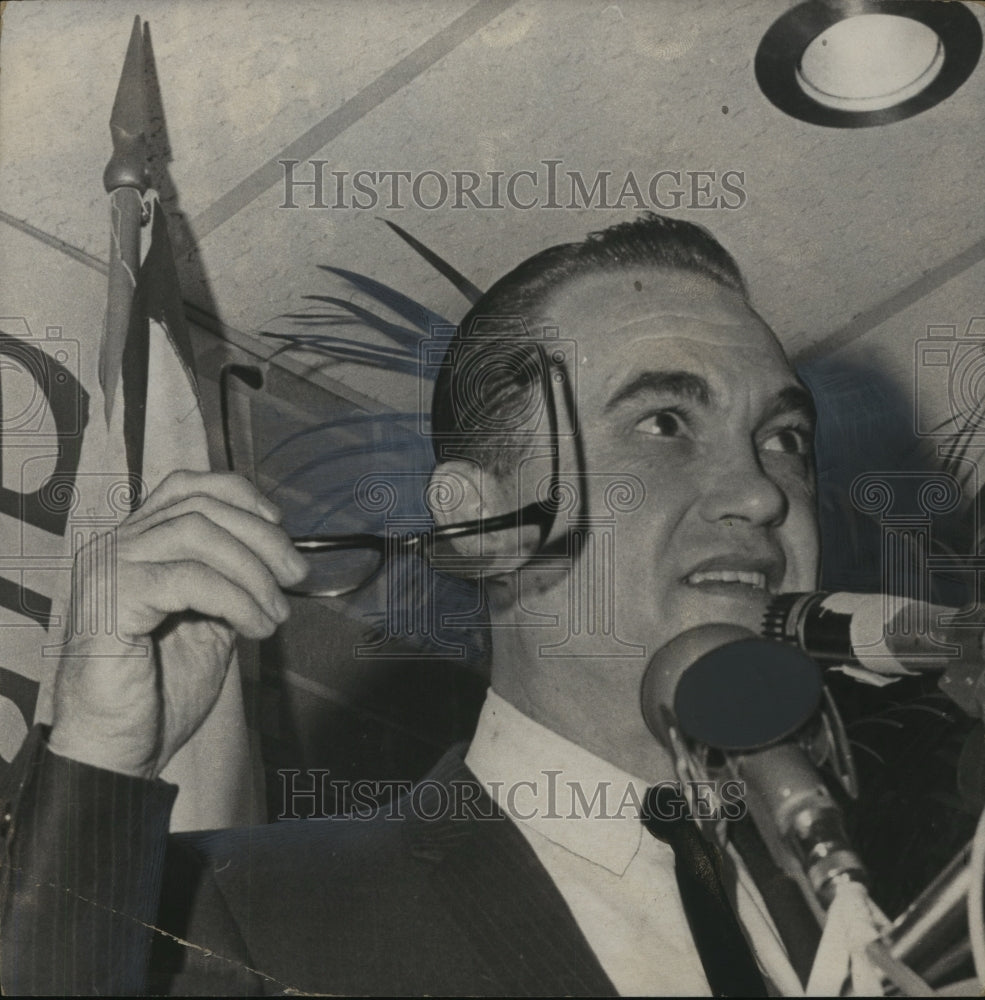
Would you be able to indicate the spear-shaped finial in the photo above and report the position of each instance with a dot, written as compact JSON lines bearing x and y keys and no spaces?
{"x":126,"y":179}
{"x":128,"y":122}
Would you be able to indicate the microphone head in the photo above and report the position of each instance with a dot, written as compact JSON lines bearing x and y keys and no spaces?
{"x":729,"y":689}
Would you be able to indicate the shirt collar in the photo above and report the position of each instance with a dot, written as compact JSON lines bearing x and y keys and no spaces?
{"x":557,"y":788}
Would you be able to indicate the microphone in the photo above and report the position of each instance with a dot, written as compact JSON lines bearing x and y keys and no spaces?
{"x":725,"y":701}
{"x":886,"y":635}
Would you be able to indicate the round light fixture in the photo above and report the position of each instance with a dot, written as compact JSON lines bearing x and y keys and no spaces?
{"x":867,"y":62}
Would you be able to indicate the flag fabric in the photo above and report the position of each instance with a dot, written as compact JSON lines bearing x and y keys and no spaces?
{"x":71,"y":475}
{"x":163,"y":430}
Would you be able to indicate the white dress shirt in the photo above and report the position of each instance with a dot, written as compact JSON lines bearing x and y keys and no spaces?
{"x":580,"y":815}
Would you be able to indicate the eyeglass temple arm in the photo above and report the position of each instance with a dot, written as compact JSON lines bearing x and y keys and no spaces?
{"x":536,"y":513}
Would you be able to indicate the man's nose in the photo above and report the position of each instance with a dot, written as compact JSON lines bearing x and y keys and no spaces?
{"x":738,"y":488}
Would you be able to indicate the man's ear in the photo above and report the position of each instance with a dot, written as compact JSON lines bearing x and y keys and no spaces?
{"x":464,"y":491}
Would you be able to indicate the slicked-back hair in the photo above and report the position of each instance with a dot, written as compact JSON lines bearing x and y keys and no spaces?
{"x":492,"y":373}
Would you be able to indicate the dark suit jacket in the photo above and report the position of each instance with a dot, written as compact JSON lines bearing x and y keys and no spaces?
{"x":96,"y":898}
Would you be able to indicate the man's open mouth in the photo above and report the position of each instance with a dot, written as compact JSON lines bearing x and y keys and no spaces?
{"x":738,"y":572}
{"x":751,"y":578}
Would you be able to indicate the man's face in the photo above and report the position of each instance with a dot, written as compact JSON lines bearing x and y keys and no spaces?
{"x":682,"y":386}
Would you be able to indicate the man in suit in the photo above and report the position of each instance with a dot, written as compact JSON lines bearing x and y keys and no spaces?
{"x":683,"y":442}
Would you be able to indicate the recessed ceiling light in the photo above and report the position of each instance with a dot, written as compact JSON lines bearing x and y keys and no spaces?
{"x":869,"y":62}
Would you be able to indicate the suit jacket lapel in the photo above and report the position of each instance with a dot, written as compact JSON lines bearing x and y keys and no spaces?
{"x":490,"y":880}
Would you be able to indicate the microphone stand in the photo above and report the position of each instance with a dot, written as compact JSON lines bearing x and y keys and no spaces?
{"x":796,"y":848}
{"x":692,"y":693}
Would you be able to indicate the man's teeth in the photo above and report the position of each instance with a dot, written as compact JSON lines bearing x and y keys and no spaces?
{"x":752,"y":578}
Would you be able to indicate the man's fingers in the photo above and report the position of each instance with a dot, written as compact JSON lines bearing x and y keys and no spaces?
{"x":226,"y":487}
{"x":184,"y":529}
{"x":187,"y":585}
{"x":197,"y":538}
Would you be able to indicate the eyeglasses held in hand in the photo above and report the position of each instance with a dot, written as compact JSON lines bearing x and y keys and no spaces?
{"x":343,"y":564}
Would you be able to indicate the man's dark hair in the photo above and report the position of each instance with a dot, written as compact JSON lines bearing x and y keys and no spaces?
{"x":488,"y":385}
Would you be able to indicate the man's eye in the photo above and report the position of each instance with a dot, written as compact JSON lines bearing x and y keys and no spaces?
{"x":789,"y":440}
{"x":663,"y":423}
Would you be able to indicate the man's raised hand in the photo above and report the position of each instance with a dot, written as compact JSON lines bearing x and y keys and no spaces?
{"x":203,"y":558}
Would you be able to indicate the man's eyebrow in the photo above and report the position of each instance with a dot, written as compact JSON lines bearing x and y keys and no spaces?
{"x":685,"y":385}
{"x":792,"y":399}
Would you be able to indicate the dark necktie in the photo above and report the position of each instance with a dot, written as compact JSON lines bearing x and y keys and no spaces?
{"x":728,"y":962}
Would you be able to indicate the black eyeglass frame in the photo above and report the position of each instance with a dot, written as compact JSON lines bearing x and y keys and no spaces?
{"x":542,"y":513}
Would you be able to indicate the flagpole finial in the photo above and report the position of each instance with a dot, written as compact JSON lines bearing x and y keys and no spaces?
{"x":128,"y":122}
